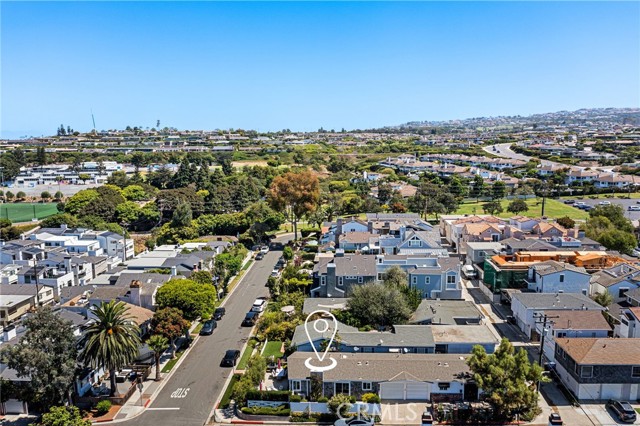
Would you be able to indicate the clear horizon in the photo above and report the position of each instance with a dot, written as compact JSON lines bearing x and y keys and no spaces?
{"x":268,"y":66}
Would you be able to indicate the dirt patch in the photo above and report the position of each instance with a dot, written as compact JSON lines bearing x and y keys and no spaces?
{"x":109,"y":416}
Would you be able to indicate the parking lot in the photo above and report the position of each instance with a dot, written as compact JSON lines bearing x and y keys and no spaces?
{"x":625,"y":203}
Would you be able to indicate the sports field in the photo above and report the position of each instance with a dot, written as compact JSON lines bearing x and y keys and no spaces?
{"x":24,"y":212}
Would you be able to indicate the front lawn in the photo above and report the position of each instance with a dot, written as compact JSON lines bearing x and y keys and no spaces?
{"x":553,"y":209}
{"x":272,"y":349}
{"x":226,"y":397}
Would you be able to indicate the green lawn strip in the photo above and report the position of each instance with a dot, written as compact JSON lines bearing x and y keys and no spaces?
{"x":247,"y":265}
{"x":196,"y":330}
{"x":226,"y":397}
{"x":169,"y":365}
{"x":23,"y":212}
{"x":242,"y":364}
{"x":553,"y":209}
{"x":272,"y":349}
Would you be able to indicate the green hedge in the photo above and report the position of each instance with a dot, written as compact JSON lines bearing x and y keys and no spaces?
{"x":313,"y":417}
{"x":224,"y":402}
{"x":281,"y":410}
{"x":269,"y":395}
{"x":308,"y":256}
{"x":305,"y":232}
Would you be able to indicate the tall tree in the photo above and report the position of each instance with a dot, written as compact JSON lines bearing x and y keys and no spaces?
{"x":170,"y":323}
{"x":64,"y":416}
{"x":477,"y":187}
{"x":508,"y":380}
{"x":47,"y":355}
{"x":517,"y":206}
{"x":498,"y":190}
{"x":377,"y":305}
{"x":158,"y":344}
{"x":295,"y":193}
{"x":193,"y":299}
{"x":395,"y":277}
{"x":492,"y":207}
{"x":112,"y":341}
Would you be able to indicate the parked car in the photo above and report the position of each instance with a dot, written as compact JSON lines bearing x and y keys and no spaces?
{"x":604,"y":203}
{"x":250,"y":319}
{"x":634,"y":208}
{"x":578,"y":204}
{"x":230,"y":358}
{"x":623,"y":410}
{"x":260,"y":256}
{"x":570,"y":202}
{"x":354,"y":421}
{"x":636,"y":252}
{"x":275,"y":273}
{"x":264,"y":249}
{"x":259,"y":305}
{"x":588,"y":207}
{"x":555,"y":419}
{"x":208,"y":327}
{"x":219,"y":313}
{"x":469,"y":272}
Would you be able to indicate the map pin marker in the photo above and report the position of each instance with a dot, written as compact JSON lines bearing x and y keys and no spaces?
{"x":321,"y":326}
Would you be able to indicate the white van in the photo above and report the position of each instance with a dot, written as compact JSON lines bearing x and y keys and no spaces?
{"x":469,"y":272}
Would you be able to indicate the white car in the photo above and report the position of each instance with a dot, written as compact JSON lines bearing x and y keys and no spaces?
{"x":354,"y":421}
{"x":259,"y":305}
{"x":604,"y":203}
{"x":275,"y":273}
{"x":636,"y":252}
{"x":634,"y":208}
{"x":264,"y":249}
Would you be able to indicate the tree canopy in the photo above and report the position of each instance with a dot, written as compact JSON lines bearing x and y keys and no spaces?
{"x":193,"y":299}
{"x":297,"y":194}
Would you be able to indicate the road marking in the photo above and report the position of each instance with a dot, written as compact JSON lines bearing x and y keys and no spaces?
{"x":180,"y":393}
{"x":164,"y":409}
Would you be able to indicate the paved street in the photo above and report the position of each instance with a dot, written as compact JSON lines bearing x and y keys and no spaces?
{"x":504,"y":150}
{"x":189,"y":394}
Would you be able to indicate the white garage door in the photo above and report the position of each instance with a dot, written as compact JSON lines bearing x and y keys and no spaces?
{"x":13,"y":406}
{"x":392,"y":390}
{"x":416,"y":391}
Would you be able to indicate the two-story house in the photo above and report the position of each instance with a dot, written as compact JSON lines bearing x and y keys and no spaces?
{"x":334,"y":277}
{"x":617,"y":280}
{"x":597,"y":369}
{"x":558,"y":277}
{"x":629,"y":326}
{"x":437,"y":278}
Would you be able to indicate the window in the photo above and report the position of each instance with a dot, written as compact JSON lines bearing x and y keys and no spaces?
{"x":584,"y":292}
{"x":323,"y":280}
{"x":586,"y":371}
{"x":344,"y":388}
{"x":622,"y":291}
{"x":635,"y":371}
{"x":296,"y":386}
{"x":366,"y":386}
{"x":379,"y":276}
{"x":414,"y":242}
{"x":561,"y":278}
{"x":414,"y":279}
{"x":360,"y":279}
{"x":481,"y":254}
{"x":444,"y":386}
{"x":340,"y":281}
{"x":427,"y":280}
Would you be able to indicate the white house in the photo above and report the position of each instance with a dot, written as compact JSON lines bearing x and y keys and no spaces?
{"x":557,"y":277}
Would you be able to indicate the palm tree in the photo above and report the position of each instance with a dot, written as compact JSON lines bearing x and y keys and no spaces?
{"x":112,"y":341}
{"x":158,"y":344}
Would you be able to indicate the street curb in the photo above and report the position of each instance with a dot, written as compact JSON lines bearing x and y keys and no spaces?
{"x":177,"y":364}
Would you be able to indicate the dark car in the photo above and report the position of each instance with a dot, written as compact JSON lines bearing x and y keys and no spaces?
{"x":260,"y":256}
{"x":569,"y":202}
{"x":230,"y":358}
{"x":208,"y":327}
{"x":219,"y":313}
{"x":623,"y":410}
{"x":555,"y":419}
{"x":250,"y":319}
{"x":276,"y":246}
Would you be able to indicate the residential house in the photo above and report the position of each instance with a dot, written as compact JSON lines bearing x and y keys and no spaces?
{"x":617,"y":280}
{"x":513,"y":245}
{"x":629,"y":326}
{"x":447,"y":312}
{"x":558,"y":277}
{"x":334,"y":277}
{"x":411,"y":377}
{"x":354,"y":240}
{"x":599,"y":369}
{"x":437,"y":278}
{"x":529,"y":308}
{"x":523,"y":223}
{"x":46,"y":276}
{"x":548,"y":230}
{"x":571,"y":324}
{"x":476,"y":252}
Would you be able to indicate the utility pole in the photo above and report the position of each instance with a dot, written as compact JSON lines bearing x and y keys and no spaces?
{"x":35,"y":268}
{"x":542,"y":319}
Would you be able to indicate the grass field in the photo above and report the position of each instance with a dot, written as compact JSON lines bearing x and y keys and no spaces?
{"x":24,"y":212}
{"x":272,"y":349}
{"x":242,"y":364}
{"x":553,"y":209}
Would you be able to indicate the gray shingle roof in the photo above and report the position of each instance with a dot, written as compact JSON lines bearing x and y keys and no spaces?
{"x":552,"y":266}
{"x":445,"y":312}
{"x":555,"y":301}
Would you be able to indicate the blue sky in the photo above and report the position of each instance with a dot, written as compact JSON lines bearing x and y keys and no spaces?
{"x":270,"y":66}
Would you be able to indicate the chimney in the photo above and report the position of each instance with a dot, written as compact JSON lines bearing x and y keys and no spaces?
{"x":134,"y":292}
{"x":174,"y":271}
{"x":63,"y":226}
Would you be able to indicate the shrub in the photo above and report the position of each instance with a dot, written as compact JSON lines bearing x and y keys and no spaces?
{"x":305,"y":232}
{"x":103,"y":407}
{"x":295,"y":398}
{"x":269,"y":395}
{"x":371,"y":398}
{"x":339,"y":404}
{"x":281,"y":410}
{"x":352,"y":399}
{"x":323,"y":399}
{"x":308,"y":256}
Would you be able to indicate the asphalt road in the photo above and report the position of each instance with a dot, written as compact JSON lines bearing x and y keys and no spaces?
{"x":504,"y":150}
{"x":189,"y":394}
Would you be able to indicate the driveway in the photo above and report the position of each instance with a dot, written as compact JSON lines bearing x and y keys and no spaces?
{"x":188,"y":396}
